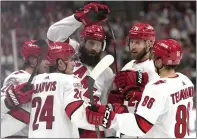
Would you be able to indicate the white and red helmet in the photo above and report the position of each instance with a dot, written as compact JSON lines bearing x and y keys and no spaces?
{"x":59,"y":50}
{"x":30,"y":49}
{"x":94,"y":32}
{"x":142,"y":31}
{"x":170,"y":51}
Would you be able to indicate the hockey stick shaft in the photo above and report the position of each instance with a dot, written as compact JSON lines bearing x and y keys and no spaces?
{"x":96,"y":72}
{"x":114,"y":45}
{"x":93,"y":107}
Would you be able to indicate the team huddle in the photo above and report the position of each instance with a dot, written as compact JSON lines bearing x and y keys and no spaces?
{"x":147,"y":98}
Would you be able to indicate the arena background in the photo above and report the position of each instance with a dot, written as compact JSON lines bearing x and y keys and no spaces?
{"x":25,"y":20}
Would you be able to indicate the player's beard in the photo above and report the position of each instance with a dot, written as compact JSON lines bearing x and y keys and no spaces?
{"x":88,"y":59}
{"x":140,"y":55}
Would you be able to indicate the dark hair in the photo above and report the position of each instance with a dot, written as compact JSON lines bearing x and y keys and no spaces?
{"x":170,"y":67}
{"x":26,"y":64}
{"x":52,"y":69}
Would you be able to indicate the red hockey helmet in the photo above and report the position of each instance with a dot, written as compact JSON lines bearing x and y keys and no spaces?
{"x":94,"y":32}
{"x":142,"y":31}
{"x":169,"y":51}
{"x":30,"y":49}
{"x":59,"y":50}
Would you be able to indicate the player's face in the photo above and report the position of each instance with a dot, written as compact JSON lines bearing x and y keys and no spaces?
{"x":93,"y":47}
{"x":43,"y":67}
{"x":90,"y":53}
{"x":69,"y":66}
{"x":137,"y":48}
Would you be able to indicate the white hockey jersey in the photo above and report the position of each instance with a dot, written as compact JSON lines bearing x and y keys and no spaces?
{"x":14,"y":122}
{"x":57,"y":107}
{"x":63,"y":29}
{"x":166,"y":104}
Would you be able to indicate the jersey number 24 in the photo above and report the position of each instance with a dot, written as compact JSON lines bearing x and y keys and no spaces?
{"x":46,"y":112}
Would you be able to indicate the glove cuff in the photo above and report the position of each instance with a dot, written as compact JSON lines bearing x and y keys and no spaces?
{"x":108,"y":116}
{"x":141,"y":78}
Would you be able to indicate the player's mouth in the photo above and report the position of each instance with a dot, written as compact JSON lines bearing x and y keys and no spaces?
{"x":92,"y":53}
{"x":133,"y":52}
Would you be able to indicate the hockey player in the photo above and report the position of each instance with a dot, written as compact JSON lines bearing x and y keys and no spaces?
{"x":14,"y":103}
{"x":57,"y":105}
{"x":166,"y":103}
{"x":141,"y":39}
{"x":89,"y":50}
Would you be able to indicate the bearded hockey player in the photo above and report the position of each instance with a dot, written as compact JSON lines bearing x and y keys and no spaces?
{"x":89,"y":50}
{"x":141,"y":68}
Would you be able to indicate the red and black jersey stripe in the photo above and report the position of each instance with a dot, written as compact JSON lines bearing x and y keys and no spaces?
{"x":72,"y":107}
{"x":143,"y":124}
{"x":20,"y":114}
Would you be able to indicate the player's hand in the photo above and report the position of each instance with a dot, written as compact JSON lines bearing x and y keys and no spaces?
{"x":92,"y":13}
{"x":130,"y":78}
{"x":16,"y":97}
{"x":115,"y":97}
{"x":104,"y":114}
{"x":101,"y":117}
{"x":132,"y":93}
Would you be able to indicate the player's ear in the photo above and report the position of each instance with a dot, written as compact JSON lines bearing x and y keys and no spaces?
{"x":61,"y":64}
{"x":33,"y":61}
{"x":149,"y":44}
{"x":158,"y":63}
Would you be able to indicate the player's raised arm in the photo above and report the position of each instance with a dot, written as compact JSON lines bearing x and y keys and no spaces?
{"x":61,"y":30}
{"x":91,"y":13}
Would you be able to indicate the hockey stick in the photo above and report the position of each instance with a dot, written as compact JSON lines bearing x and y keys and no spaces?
{"x":116,"y":65}
{"x":114,"y":44}
{"x":98,"y":69}
{"x":44,"y":46}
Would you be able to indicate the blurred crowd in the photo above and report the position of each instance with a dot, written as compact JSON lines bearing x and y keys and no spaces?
{"x":31,"y":20}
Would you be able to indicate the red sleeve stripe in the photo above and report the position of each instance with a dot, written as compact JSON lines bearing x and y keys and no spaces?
{"x":143,"y":124}
{"x":20,"y":114}
{"x":72,"y":107}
